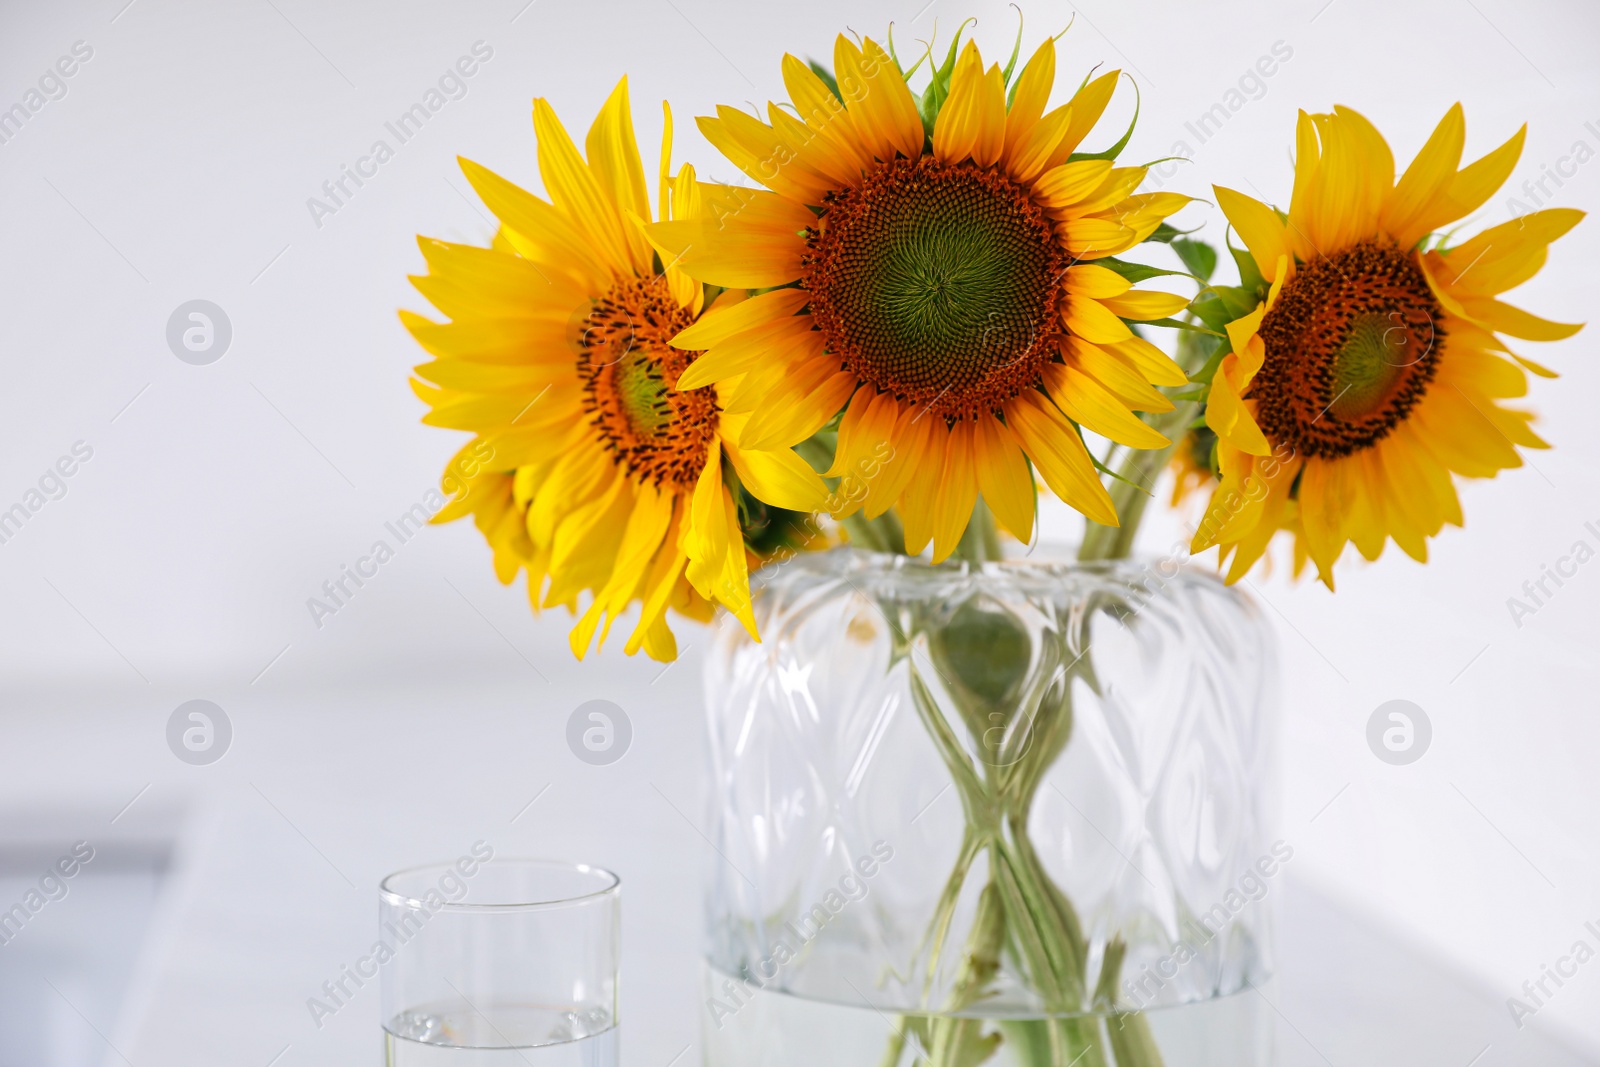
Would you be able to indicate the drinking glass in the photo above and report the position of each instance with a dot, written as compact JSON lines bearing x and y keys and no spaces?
{"x":500,"y":963}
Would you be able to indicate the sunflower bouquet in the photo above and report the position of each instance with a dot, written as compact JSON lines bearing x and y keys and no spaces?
{"x":931,"y":305}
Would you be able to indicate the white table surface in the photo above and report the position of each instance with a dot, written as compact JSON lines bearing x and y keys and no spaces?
{"x":328,"y":787}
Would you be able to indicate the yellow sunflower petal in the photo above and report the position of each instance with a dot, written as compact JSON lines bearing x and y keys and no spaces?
{"x":555,"y":234}
{"x":887,"y":482}
{"x":721,"y":323}
{"x":1093,"y":321}
{"x":1065,"y":185}
{"x":1304,"y":201}
{"x":641,"y":539}
{"x":919,"y":504}
{"x":1119,"y":374}
{"x":824,"y":114}
{"x":1087,"y":104}
{"x":651,"y":633}
{"x":1503,"y":318}
{"x":1059,"y":455}
{"x":1504,"y":256}
{"x":1004,"y":478}
{"x":763,"y":153}
{"x":877,"y":96}
{"x":774,"y":427}
{"x":772,"y":342}
{"x":1089,"y":404}
{"x":1473,"y":185}
{"x":1029,"y":141}
{"x":574,"y":189}
{"x":1145,"y":305}
{"x":851,"y":424}
{"x":1157,"y":367}
{"x":1096,"y":283}
{"x":1258,"y":227}
{"x":778,"y":477}
{"x":613,"y":153}
{"x":971,"y":124}
{"x":1323,"y":507}
{"x":957,"y":493}
{"x":1407,"y":208}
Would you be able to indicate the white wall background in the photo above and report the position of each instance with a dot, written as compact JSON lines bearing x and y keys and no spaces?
{"x":219,"y":498}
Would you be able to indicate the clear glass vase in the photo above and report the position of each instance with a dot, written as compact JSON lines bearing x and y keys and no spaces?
{"x":1009,"y":813}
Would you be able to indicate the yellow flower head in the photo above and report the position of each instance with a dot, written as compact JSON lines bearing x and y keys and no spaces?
{"x":588,"y":469}
{"x":931,"y":282}
{"x":1374,"y":369}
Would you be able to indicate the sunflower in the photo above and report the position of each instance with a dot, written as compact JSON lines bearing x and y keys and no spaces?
{"x":929,"y":272}
{"x":1375,"y":368}
{"x":601,"y":477}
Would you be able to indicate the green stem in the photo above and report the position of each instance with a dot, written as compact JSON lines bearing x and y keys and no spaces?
{"x":1130,"y":493}
{"x":882,"y":534}
{"x":1139,"y":469}
{"x":980,"y":543}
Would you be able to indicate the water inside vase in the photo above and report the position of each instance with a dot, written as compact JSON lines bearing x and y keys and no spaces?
{"x":778,"y":1029}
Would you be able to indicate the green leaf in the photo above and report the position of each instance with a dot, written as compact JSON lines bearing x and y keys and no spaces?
{"x":1209,"y":309}
{"x":1138,"y":272}
{"x":1199,"y":257}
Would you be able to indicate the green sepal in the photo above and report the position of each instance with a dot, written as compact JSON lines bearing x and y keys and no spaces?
{"x":1208,"y":371}
{"x":1249,"y":273}
{"x":1179,"y":324}
{"x":1166,"y":233}
{"x":1103,"y":469}
{"x":939,"y":86}
{"x":1011,"y":64}
{"x":1138,"y":272}
{"x":1237,"y":299}
{"x":904,"y":73}
{"x":1116,"y":149}
{"x":1209,"y":309}
{"x":827,"y":78}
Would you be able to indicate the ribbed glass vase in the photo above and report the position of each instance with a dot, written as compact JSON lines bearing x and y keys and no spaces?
{"x":1011,"y":813}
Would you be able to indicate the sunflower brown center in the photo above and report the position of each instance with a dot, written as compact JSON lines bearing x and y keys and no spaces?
{"x":627,"y":369}
{"x":1351,"y":345}
{"x":938,"y":284}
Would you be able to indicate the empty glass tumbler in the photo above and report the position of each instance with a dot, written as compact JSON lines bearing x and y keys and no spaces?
{"x":500,"y":963}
